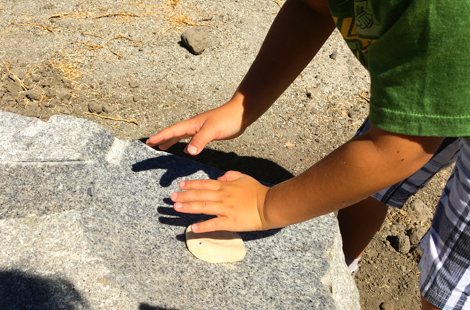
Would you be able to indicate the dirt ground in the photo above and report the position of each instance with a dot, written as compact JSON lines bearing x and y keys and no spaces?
{"x":122,"y":64}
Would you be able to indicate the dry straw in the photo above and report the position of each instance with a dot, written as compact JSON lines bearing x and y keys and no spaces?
{"x":114,"y":119}
{"x":8,"y":67}
{"x":40,"y":26}
{"x":119,"y":37}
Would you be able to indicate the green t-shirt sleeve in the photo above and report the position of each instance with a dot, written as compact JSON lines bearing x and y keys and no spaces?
{"x":420,"y":70}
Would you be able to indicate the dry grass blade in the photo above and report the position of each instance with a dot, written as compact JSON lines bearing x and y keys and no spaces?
{"x":114,"y":119}
{"x":91,"y":34}
{"x":363,"y":97}
{"x":1,"y":9}
{"x":115,"y":53}
{"x":59,"y":15}
{"x":91,"y":46}
{"x":117,"y":38}
{"x":116,"y":14}
{"x":278,"y":3}
{"x":127,"y":38}
{"x":178,"y":19}
{"x":40,"y":26}
{"x":71,"y":71}
{"x":8,"y":67}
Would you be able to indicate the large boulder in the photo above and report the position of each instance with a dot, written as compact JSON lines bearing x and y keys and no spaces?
{"x":86,"y":223}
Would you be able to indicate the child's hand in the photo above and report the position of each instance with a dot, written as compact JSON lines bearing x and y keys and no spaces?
{"x":235,"y":198}
{"x":222,"y":123}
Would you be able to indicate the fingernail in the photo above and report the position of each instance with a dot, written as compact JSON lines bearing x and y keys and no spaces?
{"x":194,"y":227}
{"x":173,"y":196}
{"x":192,"y":149}
{"x":178,"y":205}
{"x":182,"y":184}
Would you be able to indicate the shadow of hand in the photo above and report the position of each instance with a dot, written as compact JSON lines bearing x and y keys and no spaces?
{"x":175,"y":167}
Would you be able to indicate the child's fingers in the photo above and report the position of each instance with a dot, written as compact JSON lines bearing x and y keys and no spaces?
{"x":199,"y":207}
{"x":196,"y":195}
{"x":208,"y":184}
{"x":176,"y":132}
{"x":166,"y":145}
{"x":218,"y":223}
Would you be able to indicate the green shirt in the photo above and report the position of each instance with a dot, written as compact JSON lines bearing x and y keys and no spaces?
{"x":418,"y":56}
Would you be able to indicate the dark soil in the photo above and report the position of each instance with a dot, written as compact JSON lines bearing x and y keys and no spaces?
{"x":131,"y":74}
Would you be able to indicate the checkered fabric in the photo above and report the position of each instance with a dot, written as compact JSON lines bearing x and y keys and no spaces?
{"x":445,"y":266}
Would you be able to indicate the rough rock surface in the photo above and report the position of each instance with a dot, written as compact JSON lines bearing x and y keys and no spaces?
{"x":86,"y":223}
{"x":196,"y":39}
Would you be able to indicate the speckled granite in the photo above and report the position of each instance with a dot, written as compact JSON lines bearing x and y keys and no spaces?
{"x":86,"y":223}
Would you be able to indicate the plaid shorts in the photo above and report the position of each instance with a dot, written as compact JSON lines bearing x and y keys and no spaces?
{"x":445,"y":267}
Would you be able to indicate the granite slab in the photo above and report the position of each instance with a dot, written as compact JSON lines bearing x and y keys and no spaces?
{"x":86,"y":223}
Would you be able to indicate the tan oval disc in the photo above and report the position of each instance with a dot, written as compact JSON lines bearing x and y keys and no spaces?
{"x":216,"y":247}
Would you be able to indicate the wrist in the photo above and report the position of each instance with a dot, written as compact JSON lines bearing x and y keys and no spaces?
{"x":262,"y":209}
{"x":248,"y":111}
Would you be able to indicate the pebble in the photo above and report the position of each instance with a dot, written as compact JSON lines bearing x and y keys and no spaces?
{"x":418,"y":253}
{"x":2,"y":94}
{"x":56,"y":81}
{"x":19,"y":73}
{"x":45,"y":83}
{"x":402,"y":243}
{"x":63,"y":93}
{"x":95,"y":107}
{"x":33,"y":94}
{"x":417,"y":235}
{"x":136,"y":98}
{"x":52,"y":103}
{"x":386,"y":305}
{"x":133,"y":84}
{"x":196,"y":39}
{"x":50,"y":93}
{"x":63,"y":110}
{"x":419,"y":211}
{"x":107,"y":108}
{"x":31,"y":110}
{"x":66,"y":83}
{"x":12,"y":88}
{"x":396,"y":228}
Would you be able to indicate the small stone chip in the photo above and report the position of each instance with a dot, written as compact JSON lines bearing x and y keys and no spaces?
{"x":216,"y":247}
{"x":95,"y":107}
{"x":33,"y":94}
{"x":133,"y":84}
{"x":63,"y":93}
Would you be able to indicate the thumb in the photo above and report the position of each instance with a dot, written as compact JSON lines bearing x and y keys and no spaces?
{"x":199,"y":141}
{"x":230,"y":176}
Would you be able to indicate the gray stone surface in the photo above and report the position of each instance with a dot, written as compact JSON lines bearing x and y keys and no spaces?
{"x":196,"y":39}
{"x":86,"y":223}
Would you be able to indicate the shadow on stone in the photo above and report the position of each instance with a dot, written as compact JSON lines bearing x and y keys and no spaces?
{"x":259,"y":168}
{"x":19,"y":290}
{"x":174,"y":218}
{"x":149,"y":307}
{"x":174,"y":169}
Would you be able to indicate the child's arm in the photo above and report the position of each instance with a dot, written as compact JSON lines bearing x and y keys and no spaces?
{"x":296,"y":35}
{"x":353,"y":172}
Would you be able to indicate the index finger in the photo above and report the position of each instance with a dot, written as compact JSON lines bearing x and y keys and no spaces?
{"x":172,"y":134}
